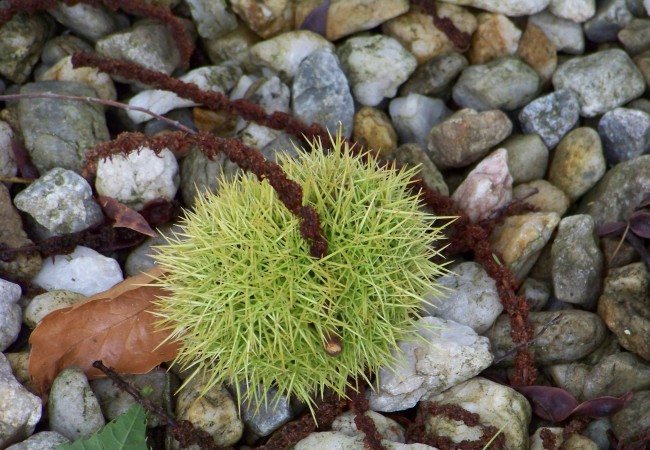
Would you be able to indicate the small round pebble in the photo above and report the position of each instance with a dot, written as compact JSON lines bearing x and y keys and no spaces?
{"x":43,"y":304}
{"x":527,"y":157}
{"x":374,"y":130}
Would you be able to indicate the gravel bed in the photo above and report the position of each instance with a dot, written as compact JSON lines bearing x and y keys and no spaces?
{"x":541,"y":101}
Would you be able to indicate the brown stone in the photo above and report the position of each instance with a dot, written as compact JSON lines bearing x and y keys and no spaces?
{"x":495,"y":36}
{"x":538,"y":52}
{"x":373,"y":130}
{"x":267,"y":18}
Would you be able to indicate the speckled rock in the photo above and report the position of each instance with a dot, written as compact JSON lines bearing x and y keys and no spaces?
{"x":520,"y":240}
{"x":635,"y":36}
{"x":61,"y":201}
{"x":504,"y":83}
{"x":566,"y":35}
{"x":265,"y":417}
{"x":551,"y":116}
{"x":578,"y":162}
{"x":575,"y":441}
{"x":617,"y":374}
{"x":537,"y":50}
{"x":574,"y":334}
{"x":602,"y":80}
{"x":577,"y":261}
{"x":548,"y":198}
{"x":88,"y":21}
{"x":21,"y":41}
{"x":21,"y":410}
{"x":73,"y":409}
{"x":214,"y":412}
{"x":8,"y":167}
{"x":54,"y":143}
{"x":623,"y":307}
{"x":466,"y":136}
{"x":284,"y":53}
{"x":486,"y":188}
{"x":201,"y":174}
{"x":10,"y":313}
{"x":434,"y":78}
{"x":375,"y":66}
{"x":212,"y":18}
{"x":569,"y":376}
{"x":497,"y":405}
{"x":139,"y":177}
{"x":346,"y":17}
{"x":527,"y":157}
{"x":536,"y":292}
{"x":24,"y":266}
{"x":374,"y":130}
{"x":43,"y":304}
{"x":233,"y":46}
{"x":418,"y":33}
{"x":449,"y":354}
{"x":472,"y":300}
{"x":45,"y":440}
{"x":265,"y":17}
{"x":321,"y":94}
{"x":414,"y":115}
{"x":84,"y":271}
{"x":495,"y":36}
{"x":413,"y":155}
{"x":507,"y":7}
{"x":620,"y":191}
{"x":625,"y":134}
{"x":633,"y":418}
{"x":147,"y":43}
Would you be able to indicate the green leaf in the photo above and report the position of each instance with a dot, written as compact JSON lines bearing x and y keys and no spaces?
{"x":127,"y":432}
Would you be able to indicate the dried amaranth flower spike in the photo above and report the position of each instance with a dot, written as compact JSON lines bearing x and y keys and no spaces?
{"x":249,"y":303}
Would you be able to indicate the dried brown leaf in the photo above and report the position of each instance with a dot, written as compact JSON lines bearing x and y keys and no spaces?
{"x":123,"y":216}
{"x":115,"y":326}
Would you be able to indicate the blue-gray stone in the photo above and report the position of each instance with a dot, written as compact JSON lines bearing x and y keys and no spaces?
{"x":57,"y":133}
{"x":505,"y":83}
{"x":611,"y":16}
{"x":414,"y":115}
{"x":551,"y":116}
{"x":625,"y":134}
{"x":321,"y":93}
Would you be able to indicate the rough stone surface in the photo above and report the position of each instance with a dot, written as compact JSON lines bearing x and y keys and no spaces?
{"x":507,"y":7}
{"x":21,"y":41}
{"x":434,"y":78}
{"x":45,"y":440}
{"x":374,"y":130}
{"x":495,"y":36}
{"x":414,"y":115}
{"x":537,"y":50}
{"x":413,"y":155}
{"x":551,"y":116}
{"x":566,"y":35}
{"x":88,"y":21}
{"x":10,"y":313}
{"x":527,"y":157}
{"x":617,"y":374}
{"x":43,"y":304}
{"x":625,"y":134}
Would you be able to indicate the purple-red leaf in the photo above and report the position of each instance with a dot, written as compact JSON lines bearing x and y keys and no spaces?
{"x":556,"y":404}
{"x":640,"y":223}
{"x":645,"y":202}
{"x":316,"y":20}
{"x":612,"y":228}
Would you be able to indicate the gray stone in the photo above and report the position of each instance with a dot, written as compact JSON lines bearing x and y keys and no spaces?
{"x":623,"y":306}
{"x":321,"y":93}
{"x":573,"y":335}
{"x":271,"y":94}
{"x":536,"y":293}
{"x":45,"y":440}
{"x":551,"y":116}
{"x":114,"y":401}
{"x":598,"y":431}
{"x":61,"y":46}
{"x":21,"y":42}
{"x":621,"y":190}
{"x":633,"y":418}
{"x":61,"y":201}
{"x":8,"y":166}
{"x":466,"y":136}
{"x":635,"y":36}
{"x":212,"y":17}
{"x":625,"y":134}
{"x":264,"y":417}
{"x":147,"y":43}
{"x":577,"y":261}
{"x":611,"y":16}
{"x":413,"y":155}
{"x":497,"y":405}
{"x":527,"y":157}
{"x":444,"y":354}
{"x":21,"y":410}
{"x":375,"y":66}
{"x":575,"y":10}
{"x":506,"y":7}
{"x":73,"y":409}
{"x":84,"y":271}
{"x":52,"y":142}
{"x":472,"y":298}
{"x":88,"y":21}
{"x":602,"y":80}
{"x":617,"y":374}
{"x":10,"y":313}
{"x":414,"y":115}
{"x":387,"y":428}
{"x":200,"y":174}
{"x":566,"y":35}
{"x":435,"y":77}
{"x":570,"y":376}
{"x":503,"y":83}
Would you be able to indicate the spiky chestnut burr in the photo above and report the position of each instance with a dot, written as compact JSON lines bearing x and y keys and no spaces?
{"x":249,"y":303}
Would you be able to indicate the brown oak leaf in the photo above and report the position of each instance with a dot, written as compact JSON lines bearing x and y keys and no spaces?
{"x":116,"y":326}
{"x":124,"y":216}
